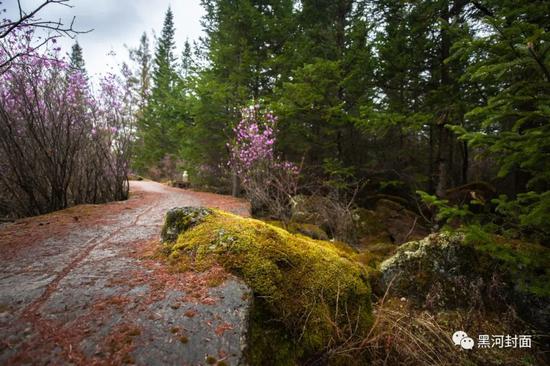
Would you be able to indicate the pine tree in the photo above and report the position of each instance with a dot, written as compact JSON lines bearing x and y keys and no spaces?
{"x":160,"y":124}
{"x":320,"y":99}
{"x":187,"y":63}
{"x":142,"y":58}
{"x":512,"y":64}
{"x":244,"y":39}
{"x":76,"y":58}
{"x":164,"y":61}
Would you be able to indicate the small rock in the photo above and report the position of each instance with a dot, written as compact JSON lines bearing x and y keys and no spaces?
{"x":181,"y":219}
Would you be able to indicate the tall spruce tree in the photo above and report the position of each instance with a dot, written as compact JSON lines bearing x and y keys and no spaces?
{"x":160,"y":125}
{"x":331,"y":69}
{"x":510,"y":61}
{"x":142,"y":59}
{"x":77,"y":58}
{"x":243,"y":41}
{"x":164,"y":62}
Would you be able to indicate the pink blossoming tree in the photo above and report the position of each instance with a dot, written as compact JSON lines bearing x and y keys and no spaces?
{"x":60,"y":144}
{"x":268,"y":181}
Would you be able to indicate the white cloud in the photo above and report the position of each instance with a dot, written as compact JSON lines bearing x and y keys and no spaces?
{"x":119,"y":22}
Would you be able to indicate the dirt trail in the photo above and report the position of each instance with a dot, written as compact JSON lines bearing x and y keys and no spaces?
{"x":80,"y":287}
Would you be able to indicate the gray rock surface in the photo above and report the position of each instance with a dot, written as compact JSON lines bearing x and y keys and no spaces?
{"x":86,"y":294}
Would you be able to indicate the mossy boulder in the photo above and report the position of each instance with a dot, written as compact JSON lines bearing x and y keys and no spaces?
{"x":310,"y":230}
{"x":309,"y":209}
{"x":180,"y":219}
{"x":369,"y":227}
{"x":401,"y":223}
{"x":472,"y":269}
{"x":309,"y":295}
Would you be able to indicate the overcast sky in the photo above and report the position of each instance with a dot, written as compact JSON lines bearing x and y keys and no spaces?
{"x":116,"y":23}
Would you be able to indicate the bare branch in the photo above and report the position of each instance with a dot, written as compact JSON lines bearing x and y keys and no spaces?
{"x":31,"y":21}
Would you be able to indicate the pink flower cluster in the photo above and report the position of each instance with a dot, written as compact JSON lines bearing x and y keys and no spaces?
{"x":254,"y":139}
{"x":253,"y":145}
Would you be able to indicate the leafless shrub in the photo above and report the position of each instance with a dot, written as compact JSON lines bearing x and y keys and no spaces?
{"x":270,"y":187}
{"x":330,"y":207}
{"x":29,"y":20}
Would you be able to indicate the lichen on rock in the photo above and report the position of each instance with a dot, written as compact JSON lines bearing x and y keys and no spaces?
{"x":180,"y":219}
{"x":308,"y":294}
{"x":460,"y":269}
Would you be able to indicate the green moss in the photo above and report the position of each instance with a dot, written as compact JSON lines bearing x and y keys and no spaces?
{"x":370,"y":228}
{"x":181,"y":219}
{"x":373,"y":254}
{"x":367,"y":222}
{"x":308,"y":293}
{"x":383,"y":249}
{"x":369,"y":259}
{"x":266,"y":334}
{"x":309,"y":230}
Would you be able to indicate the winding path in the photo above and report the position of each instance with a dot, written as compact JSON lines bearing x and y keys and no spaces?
{"x":83,"y":286}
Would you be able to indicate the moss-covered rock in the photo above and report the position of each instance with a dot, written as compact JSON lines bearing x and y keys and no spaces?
{"x":369,"y":227}
{"x":309,"y":295}
{"x":401,"y":223}
{"x":309,"y":209}
{"x":180,"y":219}
{"x":472,"y":269}
{"x":310,"y":230}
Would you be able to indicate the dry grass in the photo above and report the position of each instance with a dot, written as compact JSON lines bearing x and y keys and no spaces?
{"x":404,"y":335}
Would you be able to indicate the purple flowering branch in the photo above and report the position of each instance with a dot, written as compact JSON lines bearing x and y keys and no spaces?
{"x":24,"y":25}
{"x":268,"y":181}
{"x":61,"y":144}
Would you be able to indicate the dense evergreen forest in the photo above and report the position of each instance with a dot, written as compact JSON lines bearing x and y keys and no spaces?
{"x":440,"y":104}
{"x":370,"y":123}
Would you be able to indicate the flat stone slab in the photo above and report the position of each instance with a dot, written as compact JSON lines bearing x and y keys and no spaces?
{"x":81,"y":288}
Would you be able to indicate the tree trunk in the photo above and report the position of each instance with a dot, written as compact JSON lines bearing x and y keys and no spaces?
{"x":431,"y":161}
{"x":443,"y":164}
{"x":234,"y":184}
{"x":465,"y":163}
{"x":444,"y":137}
